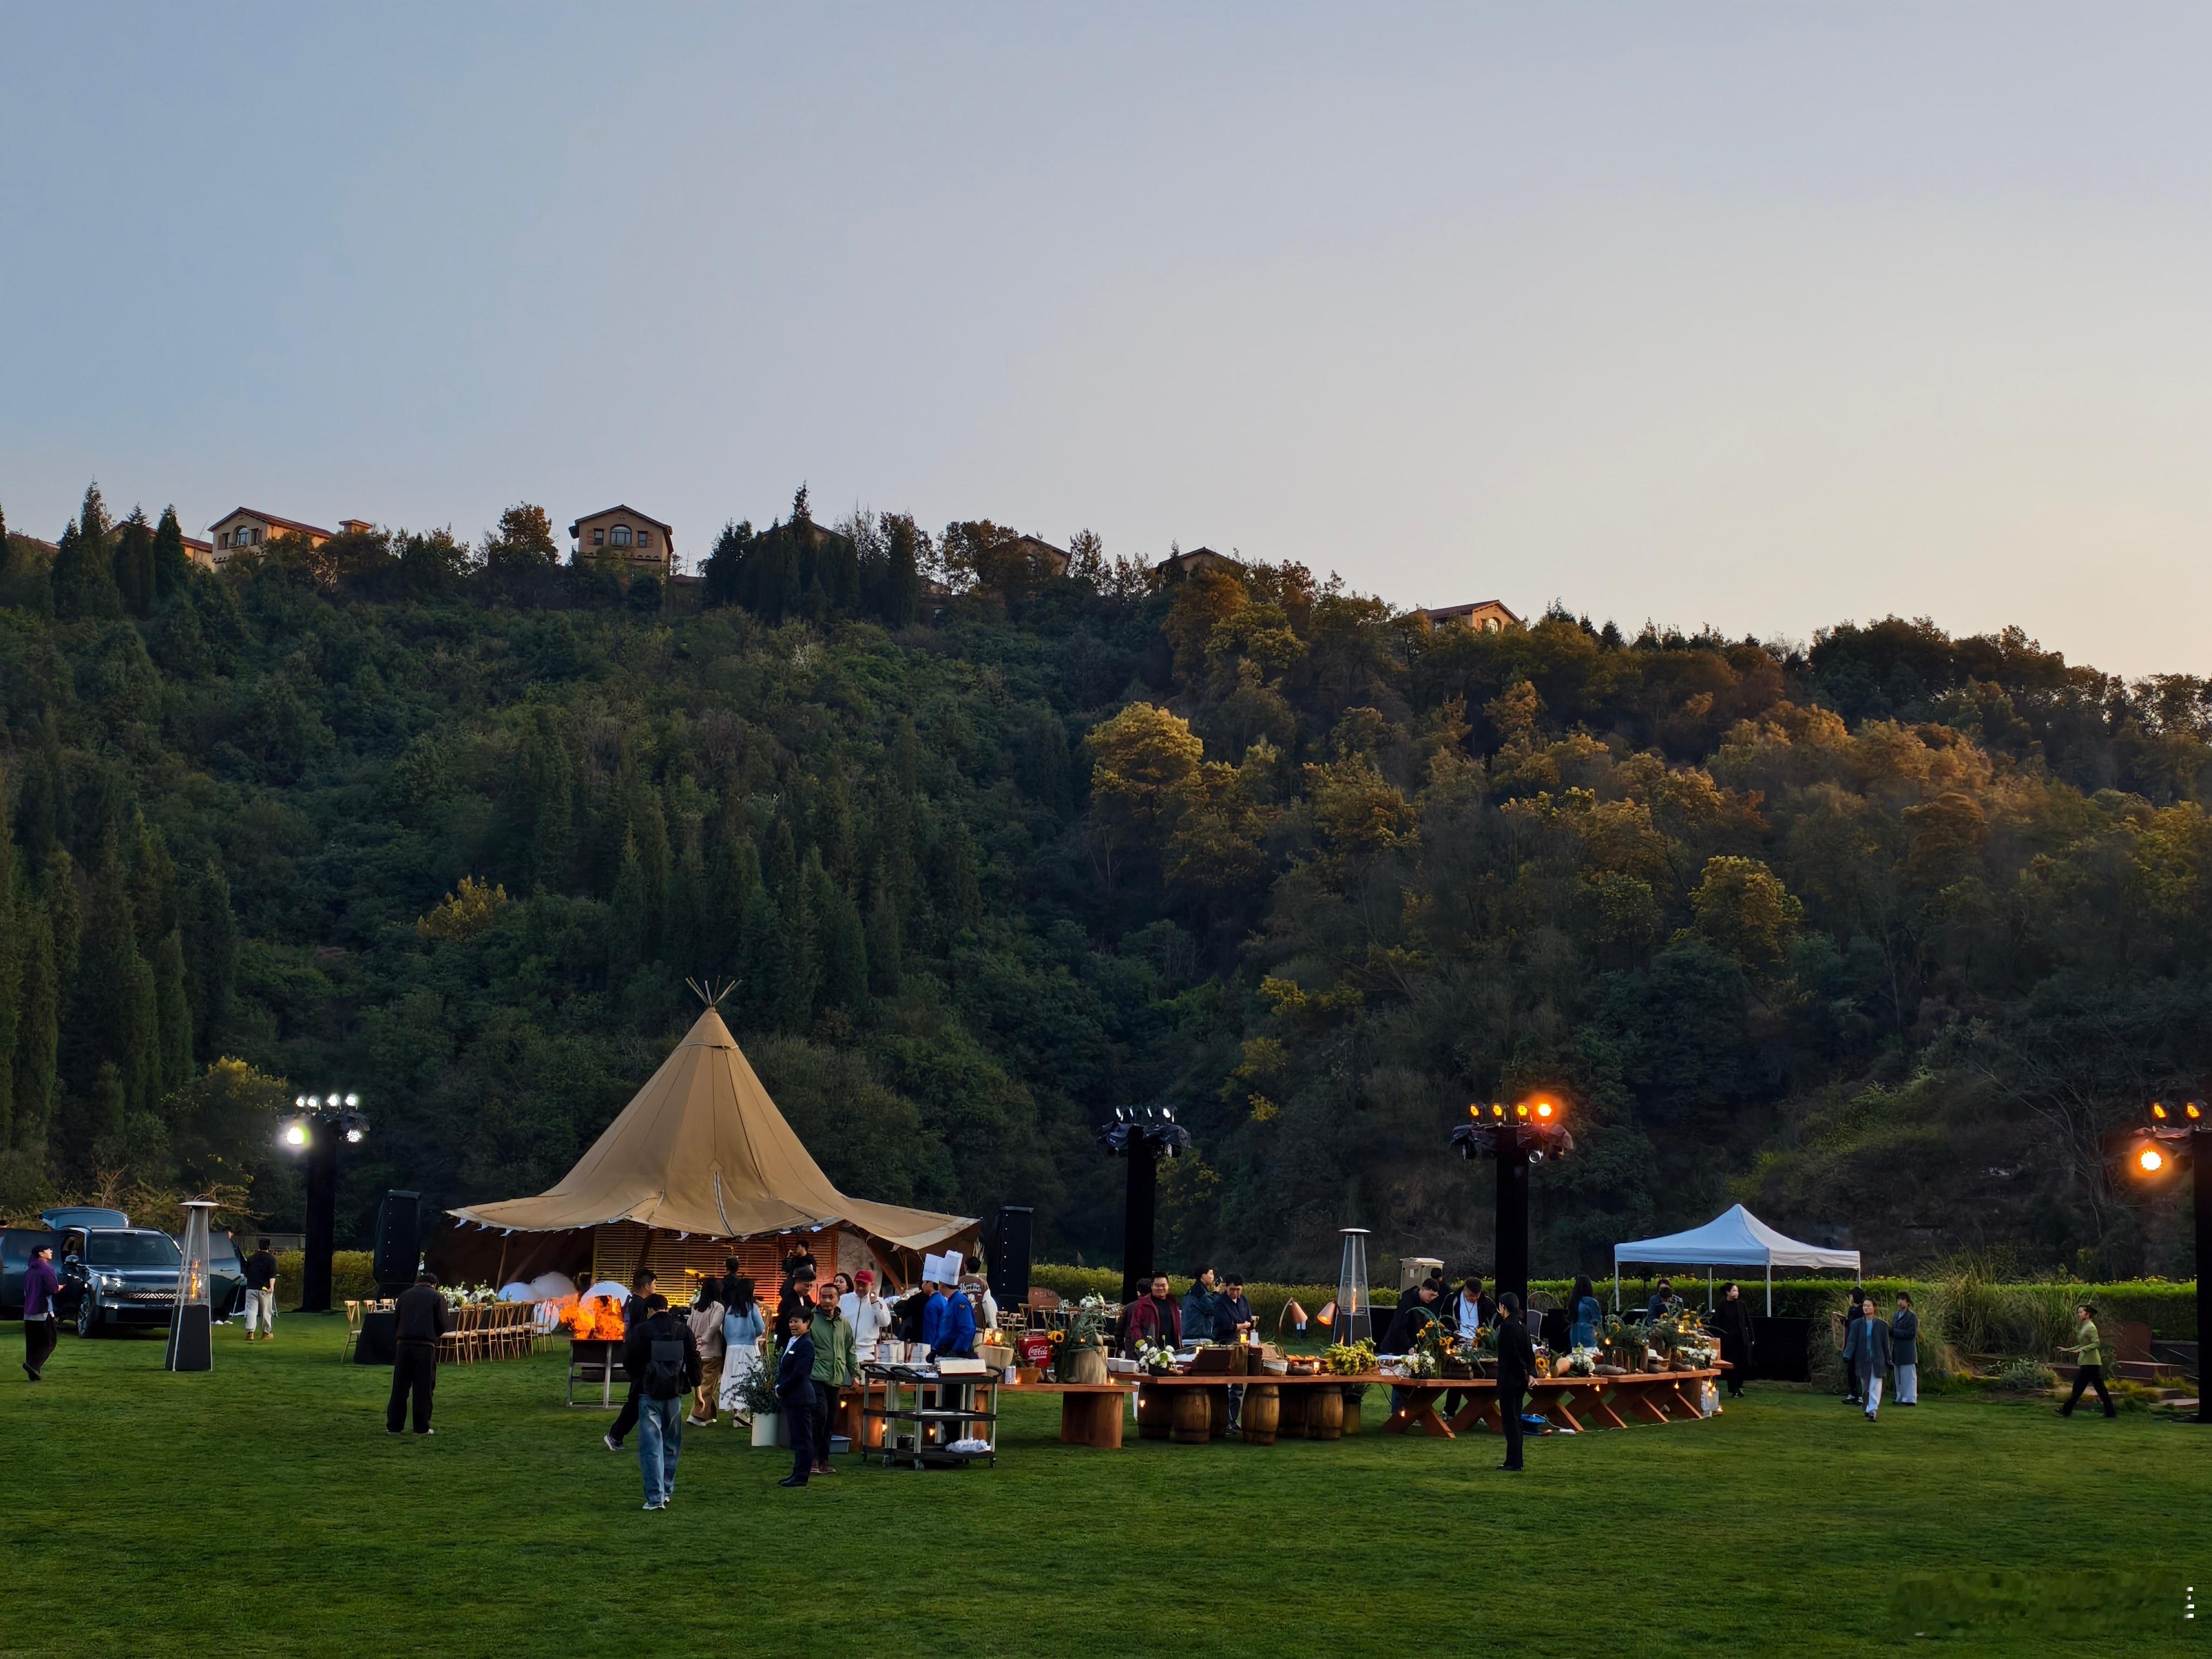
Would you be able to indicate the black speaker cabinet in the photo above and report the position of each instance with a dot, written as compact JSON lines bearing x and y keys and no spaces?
{"x":1006,"y":1254}
{"x":399,"y":1240}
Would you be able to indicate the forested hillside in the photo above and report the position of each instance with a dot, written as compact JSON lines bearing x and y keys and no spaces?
{"x":1879,"y":935}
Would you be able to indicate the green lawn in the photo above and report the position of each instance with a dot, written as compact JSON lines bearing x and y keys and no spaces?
{"x":262,"y":1509}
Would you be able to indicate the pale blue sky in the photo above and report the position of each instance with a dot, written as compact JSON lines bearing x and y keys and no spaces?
{"x":1760,"y":315}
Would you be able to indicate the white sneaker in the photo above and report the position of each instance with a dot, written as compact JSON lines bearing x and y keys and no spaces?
{"x":613,"y":1445}
{"x":650,"y":1507}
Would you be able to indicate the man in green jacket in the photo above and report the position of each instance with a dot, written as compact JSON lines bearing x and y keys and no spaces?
{"x":835,"y":1365}
{"x":2088,"y":1350}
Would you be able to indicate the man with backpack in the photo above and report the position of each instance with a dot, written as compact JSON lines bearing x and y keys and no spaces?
{"x":661,"y":1353}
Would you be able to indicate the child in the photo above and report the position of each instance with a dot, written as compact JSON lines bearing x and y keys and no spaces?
{"x":794,"y":1393}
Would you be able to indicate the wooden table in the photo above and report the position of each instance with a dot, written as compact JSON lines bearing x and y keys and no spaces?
{"x":1188,"y":1407}
{"x":1578,"y":1403}
{"x":1089,"y":1412}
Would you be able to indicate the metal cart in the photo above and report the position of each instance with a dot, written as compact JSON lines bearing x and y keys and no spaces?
{"x":942,"y":1410}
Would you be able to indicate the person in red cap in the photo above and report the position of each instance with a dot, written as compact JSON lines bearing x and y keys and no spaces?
{"x":871,"y":1315}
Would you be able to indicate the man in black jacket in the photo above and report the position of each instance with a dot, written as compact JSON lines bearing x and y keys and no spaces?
{"x":1517,"y":1364}
{"x":662,"y":1359}
{"x":633,"y":1310}
{"x":1732,"y":1319}
{"x":421,"y":1317}
{"x":260,"y":1290}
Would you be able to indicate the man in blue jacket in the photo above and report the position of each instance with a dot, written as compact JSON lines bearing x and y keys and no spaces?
{"x":41,"y":1321}
{"x":1201,"y":1313}
{"x":794,"y":1394}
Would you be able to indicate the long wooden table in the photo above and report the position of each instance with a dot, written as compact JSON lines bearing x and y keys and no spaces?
{"x":1646,"y":1396}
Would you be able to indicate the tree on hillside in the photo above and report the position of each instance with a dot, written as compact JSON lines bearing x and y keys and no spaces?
{"x":173,"y":564}
{"x":84,"y":572}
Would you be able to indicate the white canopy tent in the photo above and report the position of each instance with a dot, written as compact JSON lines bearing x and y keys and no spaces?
{"x":1735,"y":1239}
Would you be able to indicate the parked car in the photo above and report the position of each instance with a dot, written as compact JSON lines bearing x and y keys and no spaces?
{"x":16,"y":1245}
{"x":82,"y":1215}
{"x":118,"y":1277}
{"x":226,"y":1277}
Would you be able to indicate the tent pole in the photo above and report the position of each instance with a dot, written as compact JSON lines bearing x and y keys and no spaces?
{"x":1709,"y":1290}
{"x":1770,"y":1288}
{"x":1616,"y":1284}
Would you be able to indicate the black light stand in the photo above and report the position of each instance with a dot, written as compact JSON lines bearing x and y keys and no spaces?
{"x":1144,"y":1135}
{"x":2181,"y":1132}
{"x":314,"y":1130}
{"x":1513,"y":1138}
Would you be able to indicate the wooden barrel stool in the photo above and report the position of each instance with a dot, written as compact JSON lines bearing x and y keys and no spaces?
{"x":1262,"y":1408}
{"x":1290,"y":1412}
{"x":1155,"y":1412}
{"x":1325,"y":1413}
{"x":1194,"y":1416}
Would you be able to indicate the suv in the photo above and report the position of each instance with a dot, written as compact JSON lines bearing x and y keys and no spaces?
{"x":118,"y":1276}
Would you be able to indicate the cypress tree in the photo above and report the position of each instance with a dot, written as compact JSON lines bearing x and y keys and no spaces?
{"x":842,"y":945}
{"x":627,"y":919}
{"x":114,"y":1014}
{"x":132,"y":561}
{"x":65,"y":916}
{"x":173,"y":566}
{"x":11,"y":970}
{"x":210,"y":943}
{"x":781,"y":867}
{"x":649,"y":826}
{"x":901,"y":605}
{"x":802,"y":926}
{"x":38,"y":1031}
{"x":763,"y":961}
{"x":884,"y":952}
{"x":734,"y":875}
{"x":173,"y":1009}
{"x":83,"y":574}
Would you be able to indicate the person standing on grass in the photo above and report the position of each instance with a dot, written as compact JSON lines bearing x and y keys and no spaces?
{"x":1732,"y":1321}
{"x":706,"y":1324}
{"x":871,"y":1317}
{"x":743,"y":1328}
{"x":1201,"y":1310}
{"x":2088,"y":1350}
{"x":419,"y":1318}
{"x":834,"y":1367}
{"x":1904,"y":1351}
{"x":794,"y":1394}
{"x":1867,"y":1351}
{"x":42,"y":1319}
{"x":634,"y":1311}
{"x":1155,"y":1321}
{"x":1516,"y":1364}
{"x":798,"y":1298}
{"x":260,"y":1291}
{"x":1583,"y":1313}
{"x":659,"y":1353}
{"x":932,"y":1314}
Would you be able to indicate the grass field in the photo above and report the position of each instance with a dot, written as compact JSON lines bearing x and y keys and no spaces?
{"x":261,"y":1509}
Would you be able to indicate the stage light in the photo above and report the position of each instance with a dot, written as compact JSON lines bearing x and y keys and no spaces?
{"x":2150,"y":1160}
{"x":1475,"y":1110}
{"x":1496,"y":1110}
{"x":1544,"y":1109}
{"x":353,"y":1136}
{"x":1521,"y":1109}
{"x":2158,"y":1113}
{"x":2195,"y":1109}
{"x":295,"y":1135}
{"x":353,"y":1100}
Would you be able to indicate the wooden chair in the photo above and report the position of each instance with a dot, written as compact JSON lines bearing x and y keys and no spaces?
{"x":458,"y":1344}
{"x":353,"y":1331}
{"x":518,"y":1337}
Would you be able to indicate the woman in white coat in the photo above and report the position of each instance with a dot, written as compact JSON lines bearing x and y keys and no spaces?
{"x":743,"y":1328}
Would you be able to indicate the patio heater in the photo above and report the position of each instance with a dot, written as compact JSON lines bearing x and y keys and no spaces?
{"x":319,"y":1123}
{"x":2178,"y":1133}
{"x":1144,"y":1135}
{"x":191,"y":1321}
{"x":1355,"y":1319}
{"x":1513,"y":1138}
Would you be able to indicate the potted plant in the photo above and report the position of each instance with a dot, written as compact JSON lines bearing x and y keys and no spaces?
{"x":1157,"y":1360}
{"x":1079,"y":1352}
{"x":757,"y":1393}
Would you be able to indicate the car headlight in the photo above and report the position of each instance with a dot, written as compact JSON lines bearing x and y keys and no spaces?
{"x":110,"y":1282}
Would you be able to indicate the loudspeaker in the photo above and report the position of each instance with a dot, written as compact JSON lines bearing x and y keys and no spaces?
{"x":399,"y":1240}
{"x":1006,"y":1254}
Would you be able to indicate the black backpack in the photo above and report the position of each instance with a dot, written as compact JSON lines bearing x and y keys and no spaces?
{"x":664,"y":1376}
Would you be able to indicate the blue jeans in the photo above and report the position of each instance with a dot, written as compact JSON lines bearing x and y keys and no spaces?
{"x":659,"y":1438}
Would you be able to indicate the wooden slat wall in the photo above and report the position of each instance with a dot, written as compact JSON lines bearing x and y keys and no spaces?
{"x":616,"y":1250}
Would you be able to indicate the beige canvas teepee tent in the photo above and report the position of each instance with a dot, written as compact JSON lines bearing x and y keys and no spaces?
{"x":701,"y":1160}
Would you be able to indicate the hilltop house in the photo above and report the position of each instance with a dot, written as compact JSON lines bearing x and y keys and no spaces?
{"x":249,"y":526}
{"x":645,"y":545}
{"x":1178,"y":566}
{"x":1484,"y":616}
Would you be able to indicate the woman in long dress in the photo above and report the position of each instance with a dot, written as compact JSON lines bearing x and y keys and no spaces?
{"x":742,"y":1330}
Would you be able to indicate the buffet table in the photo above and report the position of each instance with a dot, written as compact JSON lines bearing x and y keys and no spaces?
{"x":1578,"y":1403}
{"x":1192,"y":1408}
{"x":1089,"y":1412}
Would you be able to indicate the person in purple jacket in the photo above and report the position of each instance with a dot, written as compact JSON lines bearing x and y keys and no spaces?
{"x":41,"y":1323}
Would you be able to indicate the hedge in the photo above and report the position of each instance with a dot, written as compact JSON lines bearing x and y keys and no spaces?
{"x":353,"y":1278}
{"x":2168,"y":1308}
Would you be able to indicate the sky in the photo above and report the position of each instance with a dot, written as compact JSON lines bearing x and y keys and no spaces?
{"x":1764,"y":317}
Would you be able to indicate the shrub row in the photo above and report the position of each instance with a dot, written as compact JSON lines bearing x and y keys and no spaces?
{"x":2169,"y":1308}
{"x":353,"y":1278}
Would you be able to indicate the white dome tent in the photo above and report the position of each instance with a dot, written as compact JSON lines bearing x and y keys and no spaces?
{"x":1736,"y":1238}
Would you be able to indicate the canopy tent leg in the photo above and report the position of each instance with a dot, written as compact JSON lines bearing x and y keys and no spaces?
{"x":1770,"y":1290}
{"x":1709,"y":1290}
{"x":1616,"y":1284}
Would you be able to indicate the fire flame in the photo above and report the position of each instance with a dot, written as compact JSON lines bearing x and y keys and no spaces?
{"x":597,"y":1320}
